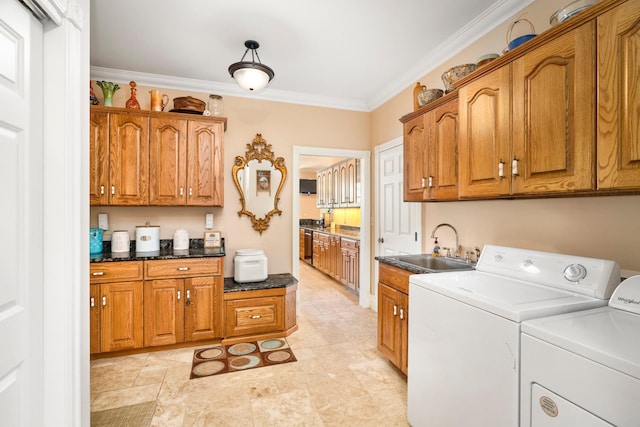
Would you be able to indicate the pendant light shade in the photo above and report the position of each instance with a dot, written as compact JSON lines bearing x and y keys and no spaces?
{"x":251,"y":75}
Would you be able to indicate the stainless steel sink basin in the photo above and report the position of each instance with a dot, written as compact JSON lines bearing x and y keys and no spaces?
{"x":435,"y":264}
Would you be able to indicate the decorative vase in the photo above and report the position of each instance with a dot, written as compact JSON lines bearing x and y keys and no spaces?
{"x":133,"y":101}
{"x":108,"y":89}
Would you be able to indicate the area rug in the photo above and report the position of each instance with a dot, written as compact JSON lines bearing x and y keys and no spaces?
{"x":139,"y":415}
{"x":221,"y":359}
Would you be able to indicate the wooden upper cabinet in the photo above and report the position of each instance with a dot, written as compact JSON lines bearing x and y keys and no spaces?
{"x":553,"y":122}
{"x":442,"y":181}
{"x":618,"y":39}
{"x":128,"y":159}
{"x":485,"y":135}
{"x":415,"y":155}
{"x":167,"y":162}
{"x":99,"y":158}
{"x":205,"y":180}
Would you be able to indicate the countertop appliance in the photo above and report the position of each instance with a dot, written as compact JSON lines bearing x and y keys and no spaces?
{"x":583,"y":368}
{"x":464,"y":330}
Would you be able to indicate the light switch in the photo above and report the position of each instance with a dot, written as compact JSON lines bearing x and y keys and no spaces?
{"x":208,"y":221}
{"x":103,"y":221}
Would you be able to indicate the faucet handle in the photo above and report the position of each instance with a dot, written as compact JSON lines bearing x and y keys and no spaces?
{"x":477,"y":253}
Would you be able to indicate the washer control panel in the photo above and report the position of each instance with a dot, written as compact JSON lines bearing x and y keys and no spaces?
{"x":587,"y":276}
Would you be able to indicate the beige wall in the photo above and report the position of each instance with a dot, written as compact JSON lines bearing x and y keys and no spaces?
{"x":282,"y":125}
{"x":600,"y":227}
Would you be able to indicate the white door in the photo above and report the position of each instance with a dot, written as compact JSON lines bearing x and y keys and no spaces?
{"x":21,"y":357}
{"x":399,"y":228}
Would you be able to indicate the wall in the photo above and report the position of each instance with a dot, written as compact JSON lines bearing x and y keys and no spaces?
{"x":283,"y":126}
{"x":600,"y":227}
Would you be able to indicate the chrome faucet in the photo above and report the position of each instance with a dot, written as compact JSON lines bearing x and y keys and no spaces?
{"x":456,"y":253}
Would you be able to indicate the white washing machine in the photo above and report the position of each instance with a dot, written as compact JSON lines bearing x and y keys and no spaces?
{"x":464,"y":330}
{"x":583,"y":369}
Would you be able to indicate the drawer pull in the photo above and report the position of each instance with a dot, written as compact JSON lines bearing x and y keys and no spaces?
{"x":402,"y":314}
{"x":256,"y":316}
{"x":98,"y":273}
{"x":104,"y":301}
{"x":93,"y":302}
{"x":395,"y":310}
{"x":183,"y":268}
{"x":178,"y":295}
{"x":102,"y":189}
{"x":113,"y":190}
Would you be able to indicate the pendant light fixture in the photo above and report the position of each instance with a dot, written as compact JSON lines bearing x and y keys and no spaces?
{"x":251,"y":75}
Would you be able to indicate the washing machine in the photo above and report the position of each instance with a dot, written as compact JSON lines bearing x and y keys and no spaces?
{"x":583,"y":369}
{"x":464,"y":330}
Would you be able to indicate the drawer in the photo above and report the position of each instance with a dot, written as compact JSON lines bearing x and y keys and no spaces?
{"x":254,"y":315}
{"x":349,"y":244}
{"x":394,"y":277}
{"x":184,"y":267}
{"x":120,"y":271}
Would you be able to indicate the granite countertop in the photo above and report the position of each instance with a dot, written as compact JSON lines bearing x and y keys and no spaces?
{"x":196,"y":250}
{"x":349,"y":232}
{"x":273,"y":281}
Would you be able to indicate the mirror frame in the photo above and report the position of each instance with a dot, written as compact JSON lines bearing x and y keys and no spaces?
{"x":261,"y":151}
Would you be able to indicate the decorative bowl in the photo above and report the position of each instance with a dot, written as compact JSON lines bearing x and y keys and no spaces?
{"x":188,"y":103}
{"x":569,"y":10}
{"x":517,"y":41}
{"x":485,"y":59}
{"x":427,"y":95}
{"x":520,"y":40}
{"x":454,"y":74}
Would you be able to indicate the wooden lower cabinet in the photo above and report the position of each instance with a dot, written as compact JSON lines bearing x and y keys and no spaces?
{"x":393,"y":314}
{"x":350,"y":271}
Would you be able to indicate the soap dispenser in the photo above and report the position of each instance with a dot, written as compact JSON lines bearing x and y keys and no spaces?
{"x":436,"y":248}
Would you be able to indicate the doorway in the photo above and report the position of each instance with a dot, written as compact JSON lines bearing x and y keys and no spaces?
{"x":365,"y":245}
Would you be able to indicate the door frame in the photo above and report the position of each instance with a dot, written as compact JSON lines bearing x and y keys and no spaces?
{"x":364,"y":156}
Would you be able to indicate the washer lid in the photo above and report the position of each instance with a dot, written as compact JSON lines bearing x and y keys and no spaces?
{"x":513,"y":299}
{"x":606,"y":335}
{"x":627,"y":295}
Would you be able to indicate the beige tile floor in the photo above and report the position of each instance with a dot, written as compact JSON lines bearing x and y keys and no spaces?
{"x":338,"y":379}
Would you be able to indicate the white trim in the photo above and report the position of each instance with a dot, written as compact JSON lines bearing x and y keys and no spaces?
{"x":365,"y":209}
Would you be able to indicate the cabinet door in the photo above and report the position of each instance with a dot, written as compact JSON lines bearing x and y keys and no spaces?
{"x":99,"y":158}
{"x":335,"y":266}
{"x":163,"y":312}
{"x":553,"y":119}
{"x":319,"y":190}
{"x":203,"y":312}
{"x":205,"y":182}
{"x":121,"y":316}
{"x":389,"y":325}
{"x":618,"y":38}
{"x":415,"y":149}
{"x":443,"y":153}
{"x":167,"y":162}
{"x":345,"y":195}
{"x":128,"y":159}
{"x":484,"y":108}
{"x":94,"y":319}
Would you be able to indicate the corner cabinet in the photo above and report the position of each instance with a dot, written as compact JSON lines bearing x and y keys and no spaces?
{"x":393,"y":314}
{"x":140,"y":158}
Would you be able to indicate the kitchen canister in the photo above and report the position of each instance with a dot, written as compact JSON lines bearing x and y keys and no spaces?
{"x":147,"y":238}
{"x":250,"y":265}
{"x":120,"y":241}
{"x":95,"y":240}
{"x":180,"y":240}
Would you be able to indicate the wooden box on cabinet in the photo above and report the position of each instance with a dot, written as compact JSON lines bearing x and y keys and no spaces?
{"x":393,"y":314}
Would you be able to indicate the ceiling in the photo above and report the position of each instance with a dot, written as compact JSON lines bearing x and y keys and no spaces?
{"x":353,"y":54}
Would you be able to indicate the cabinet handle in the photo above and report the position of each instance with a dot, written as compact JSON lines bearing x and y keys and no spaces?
{"x":190,"y":191}
{"x":395,"y":310}
{"x":183,"y":269}
{"x":104,"y":301}
{"x":402,"y":314}
{"x":514,"y":167}
{"x":256,"y":316}
{"x":501,"y":169}
{"x":102,"y":189}
{"x":98,"y":273}
{"x":178,"y":295}
{"x":422,"y":182}
{"x":430,"y":181}
{"x":113,"y":189}
{"x":181,"y":191}
{"x":92,"y":302}
{"x":188,"y":294}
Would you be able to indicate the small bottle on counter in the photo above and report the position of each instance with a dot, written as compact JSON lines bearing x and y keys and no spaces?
{"x":436,"y":248}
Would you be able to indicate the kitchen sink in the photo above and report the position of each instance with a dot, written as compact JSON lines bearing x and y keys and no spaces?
{"x":434,"y":264}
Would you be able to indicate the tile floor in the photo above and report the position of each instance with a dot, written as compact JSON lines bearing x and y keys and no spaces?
{"x":339,"y":378}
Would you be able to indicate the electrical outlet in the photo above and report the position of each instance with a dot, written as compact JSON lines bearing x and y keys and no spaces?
{"x":103,"y":221}
{"x":208,"y":221}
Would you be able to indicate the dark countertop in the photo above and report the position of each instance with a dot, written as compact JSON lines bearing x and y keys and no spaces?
{"x":273,"y":281}
{"x":196,"y":250}
{"x":395,"y":262}
{"x":352,"y":233}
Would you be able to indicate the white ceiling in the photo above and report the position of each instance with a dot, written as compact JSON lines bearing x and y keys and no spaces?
{"x":351,"y":54}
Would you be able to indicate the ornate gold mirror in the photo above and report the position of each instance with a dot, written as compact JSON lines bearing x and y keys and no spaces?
{"x":259,"y":177}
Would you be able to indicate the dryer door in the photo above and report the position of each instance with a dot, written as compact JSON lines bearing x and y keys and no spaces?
{"x":550,"y":410}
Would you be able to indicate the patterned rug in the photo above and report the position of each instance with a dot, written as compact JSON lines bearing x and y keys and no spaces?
{"x":220,"y":359}
{"x":139,"y":415}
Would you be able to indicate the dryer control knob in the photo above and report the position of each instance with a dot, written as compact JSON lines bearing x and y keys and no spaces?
{"x":575,"y":272}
